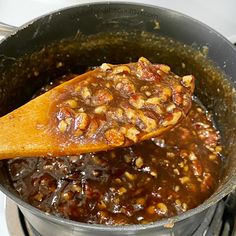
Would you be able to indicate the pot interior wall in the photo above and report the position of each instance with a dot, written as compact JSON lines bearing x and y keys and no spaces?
{"x":43,"y":56}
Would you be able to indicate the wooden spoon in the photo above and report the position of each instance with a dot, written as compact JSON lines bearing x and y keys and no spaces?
{"x":111,"y":106}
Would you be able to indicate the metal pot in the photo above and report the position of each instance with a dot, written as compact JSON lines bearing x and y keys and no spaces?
{"x":73,"y":38}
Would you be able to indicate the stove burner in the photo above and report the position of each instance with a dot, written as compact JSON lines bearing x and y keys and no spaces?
{"x":30,"y":230}
{"x":27,"y":227}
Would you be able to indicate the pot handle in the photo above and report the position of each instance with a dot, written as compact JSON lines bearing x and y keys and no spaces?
{"x":6,"y":29}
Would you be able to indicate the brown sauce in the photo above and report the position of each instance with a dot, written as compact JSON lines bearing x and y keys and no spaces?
{"x":120,"y":105}
{"x":155,"y":179}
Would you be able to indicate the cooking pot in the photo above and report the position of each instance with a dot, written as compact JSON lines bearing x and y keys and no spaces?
{"x":74,"y":38}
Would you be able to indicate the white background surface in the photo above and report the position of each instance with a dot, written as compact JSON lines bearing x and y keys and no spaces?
{"x":219,"y":14}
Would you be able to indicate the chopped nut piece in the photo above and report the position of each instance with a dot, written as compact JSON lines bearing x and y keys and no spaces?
{"x":103,"y":216}
{"x":177,"y":188}
{"x":212,"y":157}
{"x":186,"y":168}
{"x":137,"y":101}
{"x":127,"y":158}
{"x":121,"y":69}
{"x":59,"y":64}
{"x":36,"y":73}
{"x":178,"y":88}
{"x":144,"y":60}
{"x":67,"y":195}
{"x":93,"y":126}
{"x":177,"y":98}
{"x":132,"y":134}
{"x":166,"y":93}
{"x":188,"y":81}
{"x":116,"y":114}
{"x":140,"y":201}
{"x":125,"y":87}
{"x":76,"y":188}
{"x":85,"y":93}
{"x":154,"y":104}
{"x":132,"y":115}
{"x":184,"y":180}
{"x":144,"y":87}
{"x":101,"y":97}
{"x":96,"y":173}
{"x":207,"y":182}
{"x":192,"y":156}
{"x":151,"y":210}
{"x":150,"y":124}
{"x":123,"y":130}
{"x":184,"y":206}
{"x":78,"y":133}
{"x":197,"y":168}
{"x":105,"y":66}
{"x":139,"y":162}
{"x":129,"y":176}
{"x":114,"y":137}
{"x":122,"y":190}
{"x":81,"y":109}
{"x":81,"y":121}
{"x":94,"y":84}
{"x":72,"y":103}
{"x":118,"y":181}
{"x":153,"y":173}
{"x":38,"y":197}
{"x":162,"y":207}
{"x":176,"y":171}
{"x":108,"y":85}
{"x":165,"y":68}
{"x":218,"y":148}
{"x":181,"y":164}
{"x":157,"y":109}
{"x":101,"y":109}
{"x":62,"y":126}
{"x":101,"y":205}
{"x":153,"y":101}
{"x":174,"y":119}
{"x":148,"y":93}
{"x":68,"y":121}
{"x":170,"y":154}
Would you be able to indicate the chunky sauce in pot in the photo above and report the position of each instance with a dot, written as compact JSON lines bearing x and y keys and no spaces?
{"x":120,"y":105}
{"x":143,"y":183}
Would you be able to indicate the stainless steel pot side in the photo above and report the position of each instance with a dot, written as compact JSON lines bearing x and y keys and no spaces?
{"x":119,"y":32}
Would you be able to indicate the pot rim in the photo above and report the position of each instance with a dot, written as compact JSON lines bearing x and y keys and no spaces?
{"x":231,"y":184}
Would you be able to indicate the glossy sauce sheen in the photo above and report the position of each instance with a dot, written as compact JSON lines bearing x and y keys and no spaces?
{"x":120,"y":104}
{"x":143,"y":183}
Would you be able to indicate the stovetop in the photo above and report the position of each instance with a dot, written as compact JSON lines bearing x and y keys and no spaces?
{"x":220,"y":15}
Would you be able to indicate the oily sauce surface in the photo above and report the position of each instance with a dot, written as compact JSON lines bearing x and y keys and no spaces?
{"x":120,"y":105}
{"x":146,"y":182}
